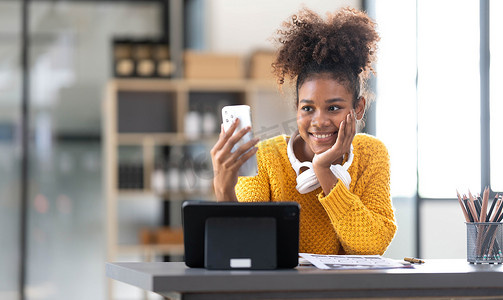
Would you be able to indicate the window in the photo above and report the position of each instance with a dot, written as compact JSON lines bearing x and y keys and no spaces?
{"x":448,"y":93}
{"x":396,"y":91}
{"x":496,"y":102}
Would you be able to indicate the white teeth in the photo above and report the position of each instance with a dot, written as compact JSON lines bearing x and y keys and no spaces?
{"x":322,"y":136}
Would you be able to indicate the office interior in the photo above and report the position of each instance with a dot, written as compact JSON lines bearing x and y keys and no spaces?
{"x":436,"y":108}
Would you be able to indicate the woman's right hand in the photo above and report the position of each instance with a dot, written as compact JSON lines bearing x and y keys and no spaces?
{"x":226,"y":164}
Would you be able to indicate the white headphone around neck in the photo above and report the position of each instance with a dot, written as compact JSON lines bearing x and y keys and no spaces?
{"x":307,"y":180}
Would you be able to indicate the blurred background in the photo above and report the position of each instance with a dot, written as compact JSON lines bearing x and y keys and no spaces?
{"x":122,"y":102}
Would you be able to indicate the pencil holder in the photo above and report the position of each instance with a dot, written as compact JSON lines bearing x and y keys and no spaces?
{"x":484,"y":242}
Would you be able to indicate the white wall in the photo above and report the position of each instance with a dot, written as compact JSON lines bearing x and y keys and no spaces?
{"x":239,"y":26}
{"x":443,"y":230}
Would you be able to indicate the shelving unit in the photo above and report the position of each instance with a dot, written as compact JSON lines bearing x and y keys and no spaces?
{"x":179,"y":93}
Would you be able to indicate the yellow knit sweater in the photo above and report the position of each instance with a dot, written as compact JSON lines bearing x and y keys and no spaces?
{"x":355,"y":221}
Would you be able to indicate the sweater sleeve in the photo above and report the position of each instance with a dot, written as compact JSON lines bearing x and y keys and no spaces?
{"x":255,"y":188}
{"x":364,"y":221}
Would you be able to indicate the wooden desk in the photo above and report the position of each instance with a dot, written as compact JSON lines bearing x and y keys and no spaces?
{"x":435,"y":278}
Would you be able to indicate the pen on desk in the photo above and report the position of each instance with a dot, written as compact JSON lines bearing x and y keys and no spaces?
{"x":414,"y":260}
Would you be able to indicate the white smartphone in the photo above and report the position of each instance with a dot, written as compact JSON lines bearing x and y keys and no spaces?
{"x":243,"y":112}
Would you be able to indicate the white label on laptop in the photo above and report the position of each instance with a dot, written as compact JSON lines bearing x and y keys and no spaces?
{"x":241,"y":262}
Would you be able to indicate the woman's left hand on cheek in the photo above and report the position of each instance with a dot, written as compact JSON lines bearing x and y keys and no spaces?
{"x":347,"y":131}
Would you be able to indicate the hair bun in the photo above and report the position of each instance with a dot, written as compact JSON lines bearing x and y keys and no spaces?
{"x":346,"y":38}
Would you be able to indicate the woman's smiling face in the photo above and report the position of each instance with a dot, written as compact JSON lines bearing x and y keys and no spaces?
{"x":323,"y":103}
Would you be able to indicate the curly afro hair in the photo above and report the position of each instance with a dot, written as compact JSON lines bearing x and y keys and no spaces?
{"x":343,"y":46}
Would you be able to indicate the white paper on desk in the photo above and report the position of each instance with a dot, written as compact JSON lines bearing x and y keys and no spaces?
{"x":332,"y":262}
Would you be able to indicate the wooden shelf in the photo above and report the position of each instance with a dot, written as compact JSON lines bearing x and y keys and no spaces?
{"x":161,"y":139}
{"x":146,"y":85}
{"x":133,"y":195}
{"x":151,"y":138}
{"x":189,"y":194}
{"x":207,"y":85}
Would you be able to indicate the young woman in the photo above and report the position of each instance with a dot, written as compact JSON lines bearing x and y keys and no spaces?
{"x":340,"y":179}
